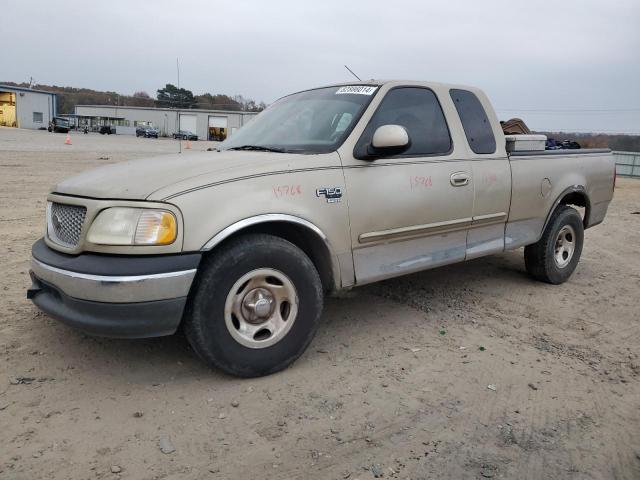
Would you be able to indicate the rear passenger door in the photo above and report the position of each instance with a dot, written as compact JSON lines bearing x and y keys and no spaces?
{"x":491,"y":174}
{"x":408,"y":212}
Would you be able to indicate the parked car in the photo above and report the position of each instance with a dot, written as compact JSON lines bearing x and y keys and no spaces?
{"x":325,"y":190}
{"x":59,"y":125}
{"x":147,"y":131}
{"x":107,"y":130}
{"x":185,"y":135}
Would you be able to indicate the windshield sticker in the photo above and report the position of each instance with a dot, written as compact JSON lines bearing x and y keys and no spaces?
{"x":356,"y":90}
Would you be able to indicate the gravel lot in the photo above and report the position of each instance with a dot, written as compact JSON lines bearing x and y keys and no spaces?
{"x":395,"y":385}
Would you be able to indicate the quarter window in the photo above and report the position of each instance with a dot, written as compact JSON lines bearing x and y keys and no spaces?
{"x":419,"y":112}
{"x":474,"y":120}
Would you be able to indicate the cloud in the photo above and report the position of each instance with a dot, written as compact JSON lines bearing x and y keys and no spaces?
{"x":545,"y":55}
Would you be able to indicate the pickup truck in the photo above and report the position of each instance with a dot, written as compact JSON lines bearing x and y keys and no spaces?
{"x":325,"y":190}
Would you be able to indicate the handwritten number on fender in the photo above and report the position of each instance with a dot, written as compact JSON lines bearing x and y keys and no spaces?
{"x":287,"y":190}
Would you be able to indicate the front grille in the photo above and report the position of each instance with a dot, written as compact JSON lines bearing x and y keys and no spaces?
{"x":65,"y":223}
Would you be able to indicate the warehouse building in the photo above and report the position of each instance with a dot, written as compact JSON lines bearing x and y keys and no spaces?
{"x":25,"y":107}
{"x":206,"y":124}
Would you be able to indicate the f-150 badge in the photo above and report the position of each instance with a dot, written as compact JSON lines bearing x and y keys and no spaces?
{"x":332,"y":194}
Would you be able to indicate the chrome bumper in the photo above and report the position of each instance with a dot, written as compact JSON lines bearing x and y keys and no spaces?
{"x":113,"y":295}
{"x":116,"y":289}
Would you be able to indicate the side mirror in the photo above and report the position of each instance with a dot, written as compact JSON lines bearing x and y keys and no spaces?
{"x":389,"y":140}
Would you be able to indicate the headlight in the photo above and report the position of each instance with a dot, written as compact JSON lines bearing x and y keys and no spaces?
{"x":133,"y":226}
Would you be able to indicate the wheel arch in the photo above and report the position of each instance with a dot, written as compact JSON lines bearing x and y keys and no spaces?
{"x":302,"y":233}
{"x":573,"y":195}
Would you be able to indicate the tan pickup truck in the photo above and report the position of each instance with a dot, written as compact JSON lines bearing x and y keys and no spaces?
{"x":327,"y":189}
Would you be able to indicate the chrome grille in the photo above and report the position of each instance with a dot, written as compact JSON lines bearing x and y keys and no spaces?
{"x":65,"y":223}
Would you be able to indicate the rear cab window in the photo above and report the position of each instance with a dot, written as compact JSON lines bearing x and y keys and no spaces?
{"x":475,"y":122}
{"x":418,"y":110}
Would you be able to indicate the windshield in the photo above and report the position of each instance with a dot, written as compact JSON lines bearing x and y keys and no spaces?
{"x":315,"y":121}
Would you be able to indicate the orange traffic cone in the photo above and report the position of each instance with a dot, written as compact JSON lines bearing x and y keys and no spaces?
{"x":188,"y":147}
{"x":68,"y":140}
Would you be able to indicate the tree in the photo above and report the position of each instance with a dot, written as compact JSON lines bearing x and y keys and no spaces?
{"x":218,"y":102}
{"x":172,"y":96}
{"x":139,"y":99}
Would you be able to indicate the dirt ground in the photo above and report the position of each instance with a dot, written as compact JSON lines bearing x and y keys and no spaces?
{"x":395,"y":385}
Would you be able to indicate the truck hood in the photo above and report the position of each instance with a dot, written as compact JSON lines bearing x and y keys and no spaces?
{"x":139,"y":179}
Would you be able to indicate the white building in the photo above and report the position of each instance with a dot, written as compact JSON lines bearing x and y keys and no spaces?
{"x":207,"y":124}
{"x":26,"y":108}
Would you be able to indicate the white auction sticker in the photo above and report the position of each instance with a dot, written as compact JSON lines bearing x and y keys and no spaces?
{"x":356,"y":89}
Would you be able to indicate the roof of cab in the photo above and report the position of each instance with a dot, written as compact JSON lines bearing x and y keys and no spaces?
{"x":380,"y":82}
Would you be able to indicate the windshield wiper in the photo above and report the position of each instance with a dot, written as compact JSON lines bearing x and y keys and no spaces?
{"x":260,"y":148}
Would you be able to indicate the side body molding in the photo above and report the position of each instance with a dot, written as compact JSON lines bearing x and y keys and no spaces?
{"x":278,"y":218}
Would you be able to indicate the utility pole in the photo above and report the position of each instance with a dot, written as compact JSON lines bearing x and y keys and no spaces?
{"x":177,"y":111}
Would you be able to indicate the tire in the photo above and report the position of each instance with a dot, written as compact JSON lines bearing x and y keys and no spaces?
{"x":216,"y":316}
{"x":556,"y":255}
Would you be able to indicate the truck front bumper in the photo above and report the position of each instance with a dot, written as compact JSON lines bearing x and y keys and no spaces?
{"x":121,"y":296}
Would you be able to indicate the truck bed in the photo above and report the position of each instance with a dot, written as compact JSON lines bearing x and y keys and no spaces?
{"x":542,"y":179}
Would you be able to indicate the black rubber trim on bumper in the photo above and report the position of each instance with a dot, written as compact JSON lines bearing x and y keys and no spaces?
{"x":116,"y":320}
{"x":115,"y":265}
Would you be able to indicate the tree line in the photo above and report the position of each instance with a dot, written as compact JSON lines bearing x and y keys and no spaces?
{"x":168,"y":96}
{"x":174,"y":97}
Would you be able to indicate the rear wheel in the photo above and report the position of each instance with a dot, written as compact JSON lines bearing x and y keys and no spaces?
{"x":556,"y":255}
{"x":256,"y":306}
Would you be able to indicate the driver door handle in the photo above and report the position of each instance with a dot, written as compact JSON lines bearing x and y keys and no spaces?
{"x":460,"y":179}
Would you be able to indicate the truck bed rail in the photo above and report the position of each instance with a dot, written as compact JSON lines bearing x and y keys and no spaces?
{"x":577,"y":151}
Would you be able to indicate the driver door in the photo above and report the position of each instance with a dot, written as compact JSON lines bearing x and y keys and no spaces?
{"x":411,"y":211}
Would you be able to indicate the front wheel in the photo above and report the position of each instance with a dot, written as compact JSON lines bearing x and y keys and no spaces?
{"x":255,"y":307}
{"x":556,"y":255}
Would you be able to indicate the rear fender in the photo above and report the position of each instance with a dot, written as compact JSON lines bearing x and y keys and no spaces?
{"x":573,"y":195}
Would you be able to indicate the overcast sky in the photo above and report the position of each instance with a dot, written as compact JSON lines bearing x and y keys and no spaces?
{"x":557,"y":64}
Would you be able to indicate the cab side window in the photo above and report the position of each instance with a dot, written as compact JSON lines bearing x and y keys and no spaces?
{"x":419,"y":112}
{"x":474,"y":120}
